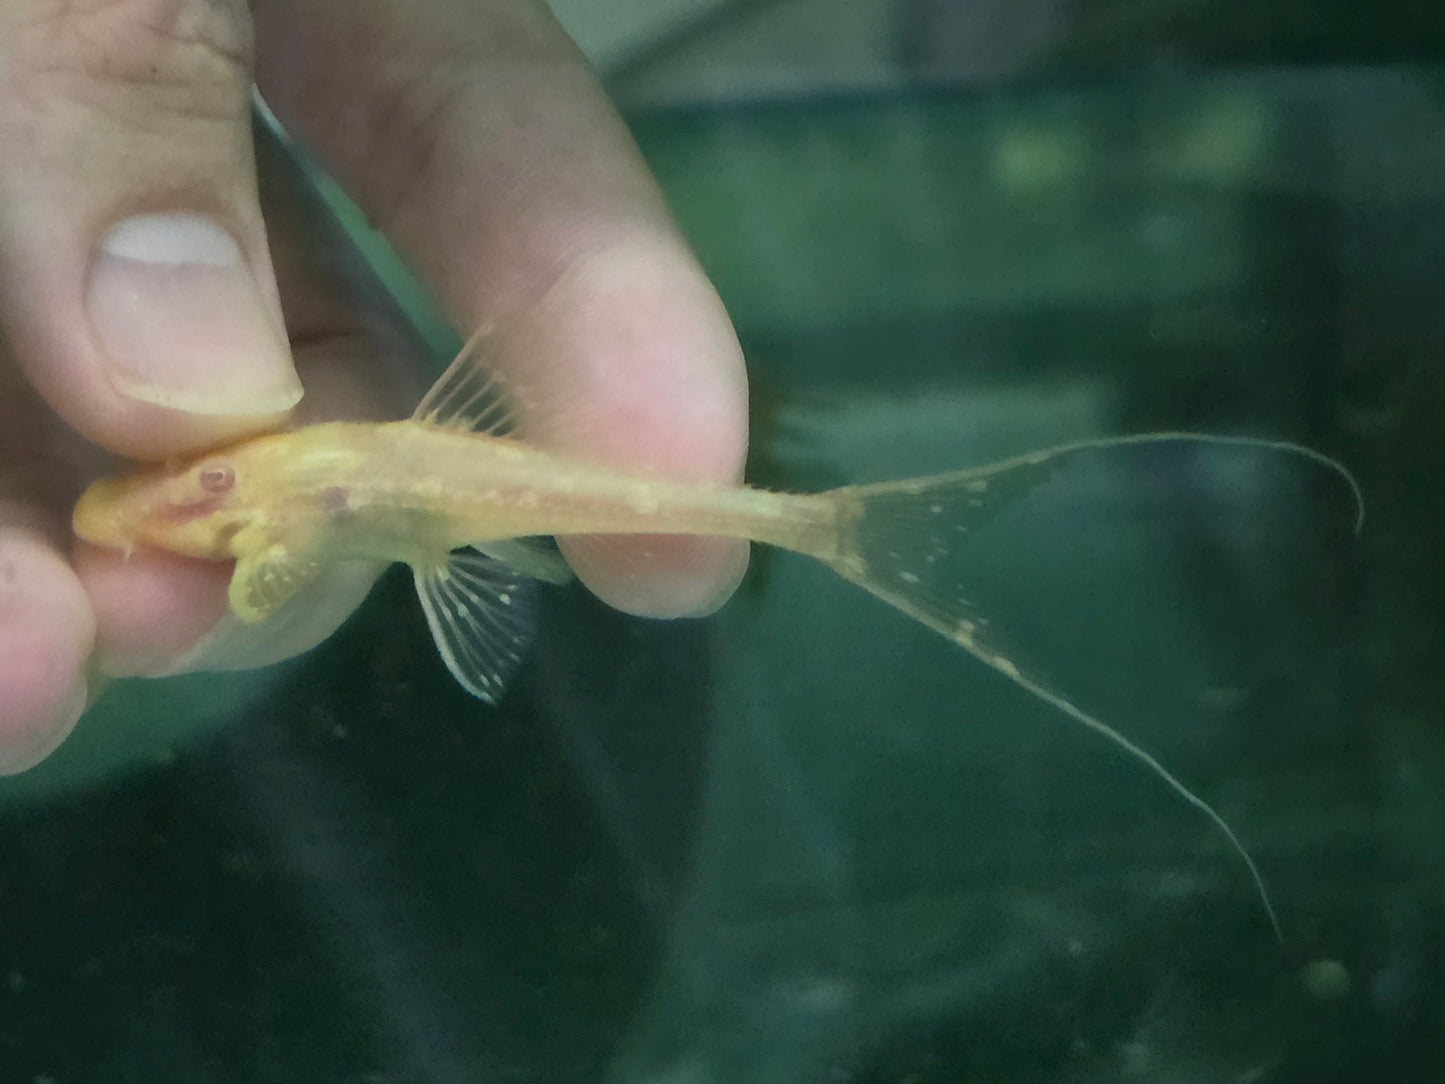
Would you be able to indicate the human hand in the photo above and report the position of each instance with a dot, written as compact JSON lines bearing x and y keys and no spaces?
{"x":141,"y":307}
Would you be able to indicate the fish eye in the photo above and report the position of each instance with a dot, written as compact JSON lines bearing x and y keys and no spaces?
{"x":217,"y":477}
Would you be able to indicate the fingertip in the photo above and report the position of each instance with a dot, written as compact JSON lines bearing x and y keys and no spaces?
{"x":659,"y":575}
{"x":182,"y":321}
{"x":136,"y":287}
{"x":630,"y":360}
{"x":46,"y":633}
{"x":159,"y":615}
{"x":172,"y":343}
{"x":150,"y":608}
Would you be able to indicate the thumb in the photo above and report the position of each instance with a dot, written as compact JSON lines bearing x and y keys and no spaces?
{"x":136,"y":291}
{"x":136,"y":297}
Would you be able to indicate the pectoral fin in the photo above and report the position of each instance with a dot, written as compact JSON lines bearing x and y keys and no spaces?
{"x":482,"y":614}
{"x":266,"y":576}
{"x":534,"y":557}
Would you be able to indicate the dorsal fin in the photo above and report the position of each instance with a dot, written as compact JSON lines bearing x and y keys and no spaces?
{"x":468,"y":396}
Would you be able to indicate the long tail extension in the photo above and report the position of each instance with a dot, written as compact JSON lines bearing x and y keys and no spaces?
{"x":896,"y":538}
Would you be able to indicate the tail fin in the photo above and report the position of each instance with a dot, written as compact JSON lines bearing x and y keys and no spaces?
{"x":897,"y":539}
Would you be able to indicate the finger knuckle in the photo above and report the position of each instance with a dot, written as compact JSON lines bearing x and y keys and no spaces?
{"x":188,"y":57}
{"x":412,"y":123}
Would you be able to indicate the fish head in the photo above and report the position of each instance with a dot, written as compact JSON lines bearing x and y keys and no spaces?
{"x":194,"y":508}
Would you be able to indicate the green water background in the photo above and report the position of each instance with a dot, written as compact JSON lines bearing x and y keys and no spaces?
{"x":805,"y":841}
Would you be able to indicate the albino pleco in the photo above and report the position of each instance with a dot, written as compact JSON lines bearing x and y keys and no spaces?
{"x":459,"y":503}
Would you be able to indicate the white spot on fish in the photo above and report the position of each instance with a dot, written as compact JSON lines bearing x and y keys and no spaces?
{"x":978,"y":485}
{"x":908,"y":577}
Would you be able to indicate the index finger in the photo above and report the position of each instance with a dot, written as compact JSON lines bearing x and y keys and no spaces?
{"x":477,"y":140}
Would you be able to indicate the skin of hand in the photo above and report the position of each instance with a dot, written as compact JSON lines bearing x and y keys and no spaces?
{"x":160,"y":294}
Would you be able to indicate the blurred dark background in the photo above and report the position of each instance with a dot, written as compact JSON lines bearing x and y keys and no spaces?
{"x":804,"y":841}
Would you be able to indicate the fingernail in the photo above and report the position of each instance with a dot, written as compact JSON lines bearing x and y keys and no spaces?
{"x":182,"y":323}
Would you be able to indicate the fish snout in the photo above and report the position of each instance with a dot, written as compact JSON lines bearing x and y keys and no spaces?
{"x":98,"y":515}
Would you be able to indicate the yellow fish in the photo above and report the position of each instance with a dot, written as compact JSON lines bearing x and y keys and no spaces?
{"x":455,"y":500}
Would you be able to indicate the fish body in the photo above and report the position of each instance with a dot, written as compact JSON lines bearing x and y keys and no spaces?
{"x":447,"y":495}
{"x":412,"y":492}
